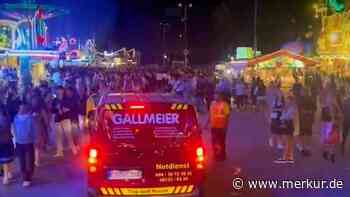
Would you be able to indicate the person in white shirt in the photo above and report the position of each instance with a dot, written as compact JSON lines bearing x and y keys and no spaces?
{"x":240,"y":93}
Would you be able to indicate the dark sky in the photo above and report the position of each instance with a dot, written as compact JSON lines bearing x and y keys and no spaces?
{"x":216,"y":27}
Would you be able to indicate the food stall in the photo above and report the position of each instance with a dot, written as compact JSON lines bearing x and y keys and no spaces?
{"x":282,"y":65}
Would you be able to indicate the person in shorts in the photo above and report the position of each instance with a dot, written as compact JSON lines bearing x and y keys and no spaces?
{"x":286,"y":125}
{"x":275,"y":116}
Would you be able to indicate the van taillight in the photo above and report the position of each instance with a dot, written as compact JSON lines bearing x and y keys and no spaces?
{"x":200,"y":154}
{"x":92,"y":156}
{"x":93,"y":153}
{"x":200,"y":157}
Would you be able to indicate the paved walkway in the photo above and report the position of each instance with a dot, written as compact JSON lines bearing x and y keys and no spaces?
{"x":247,"y":148}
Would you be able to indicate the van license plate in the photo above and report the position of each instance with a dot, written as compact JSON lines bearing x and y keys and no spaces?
{"x":124,"y":174}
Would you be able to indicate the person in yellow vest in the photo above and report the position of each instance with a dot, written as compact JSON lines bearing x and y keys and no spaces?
{"x":219,"y":122}
{"x":91,"y":105}
{"x":94,"y":98}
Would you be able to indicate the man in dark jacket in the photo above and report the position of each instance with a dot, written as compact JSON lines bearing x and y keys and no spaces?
{"x":13,"y":102}
{"x":74,"y":108}
{"x":62,"y":109}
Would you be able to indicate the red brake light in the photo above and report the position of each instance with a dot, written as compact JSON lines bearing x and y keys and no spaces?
{"x":92,"y":169}
{"x":200,"y":166}
{"x":93,"y":153}
{"x":92,"y":156}
{"x":200,"y":154}
{"x":137,"y":107}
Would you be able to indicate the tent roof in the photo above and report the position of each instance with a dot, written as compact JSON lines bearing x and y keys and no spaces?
{"x":282,"y":52}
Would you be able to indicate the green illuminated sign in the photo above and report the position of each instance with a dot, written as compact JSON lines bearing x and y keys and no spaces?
{"x":244,"y":53}
{"x":337,"y":5}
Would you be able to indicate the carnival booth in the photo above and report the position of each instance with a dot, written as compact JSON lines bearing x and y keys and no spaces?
{"x":333,"y":43}
{"x":281,"y":65}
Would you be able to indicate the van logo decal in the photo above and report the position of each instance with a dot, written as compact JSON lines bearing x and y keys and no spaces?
{"x":146,"y":119}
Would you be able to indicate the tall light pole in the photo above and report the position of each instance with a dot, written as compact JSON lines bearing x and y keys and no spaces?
{"x":164,"y":27}
{"x":185,"y":7}
{"x":255,"y":26}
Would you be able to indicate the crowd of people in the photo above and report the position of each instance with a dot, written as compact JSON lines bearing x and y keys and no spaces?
{"x":36,"y":119}
{"x":295,"y":113}
{"x":304,"y":111}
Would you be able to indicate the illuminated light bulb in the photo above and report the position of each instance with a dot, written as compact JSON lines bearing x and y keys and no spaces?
{"x":92,"y":169}
{"x":200,"y":166}
{"x":334,"y":37}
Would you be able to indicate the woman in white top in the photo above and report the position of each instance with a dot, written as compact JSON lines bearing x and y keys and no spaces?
{"x":288,"y":123}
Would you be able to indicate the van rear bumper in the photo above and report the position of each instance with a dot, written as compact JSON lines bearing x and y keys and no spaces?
{"x":95,"y":192}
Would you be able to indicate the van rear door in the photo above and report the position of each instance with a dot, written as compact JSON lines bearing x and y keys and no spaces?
{"x":150,"y":143}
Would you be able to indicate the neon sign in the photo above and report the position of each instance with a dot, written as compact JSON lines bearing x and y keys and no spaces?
{"x":337,"y":5}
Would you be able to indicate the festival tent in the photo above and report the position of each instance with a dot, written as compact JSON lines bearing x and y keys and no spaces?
{"x":282,"y":58}
{"x":283,"y":65}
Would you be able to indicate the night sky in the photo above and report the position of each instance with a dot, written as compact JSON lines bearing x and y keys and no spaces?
{"x":216,"y":27}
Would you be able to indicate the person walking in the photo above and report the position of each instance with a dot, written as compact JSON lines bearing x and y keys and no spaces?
{"x":219,"y":121}
{"x":240,"y":91}
{"x":330,"y":111}
{"x":261,"y":94}
{"x":6,"y":145}
{"x":73,"y":96}
{"x":287,"y":125}
{"x":62,"y":111}
{"x":12,"y":103}
{"x":41,"y":124}
{"x":254,"y":92}
{"x":307,"y":109}
{"x":83,"y":97}
{"x":26,"y":137}
{"x":276,"y":104}
{"x":98,"y":91}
